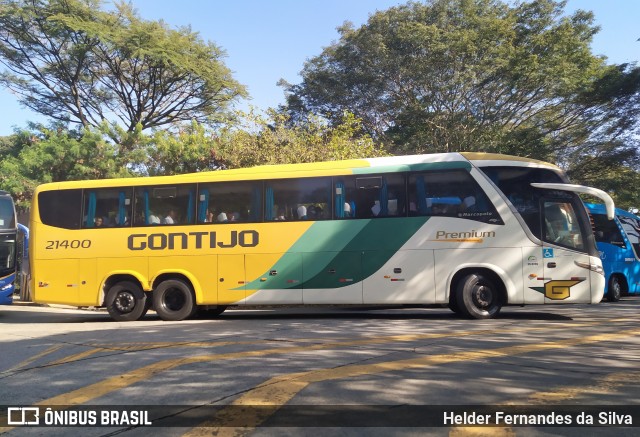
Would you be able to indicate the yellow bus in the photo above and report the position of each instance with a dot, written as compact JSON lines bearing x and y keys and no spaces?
{"x":471,"y":231}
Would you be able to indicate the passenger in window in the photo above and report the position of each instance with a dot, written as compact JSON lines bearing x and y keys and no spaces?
{"x":139,"y":218}
{"x":280,"y":216}
{"x":98,"y":222}
{"x":375,"y":209}
{"x":153,"y":219}
{"x":171,"y":217}
{"x":302,"y":212}
{"x":117,"y":221}
{"x":222,"y":218}
{"x":468,"y":203}
{"x":347,"y":209}
{"x":208,"y":217}
{"x":234,"y":217}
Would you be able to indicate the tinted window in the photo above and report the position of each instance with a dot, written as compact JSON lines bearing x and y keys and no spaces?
{"x":561,"y":225}
{"x":451,"y":193}
{"x":7,"y":254}
{"x":228,"y":202}
{"x":631,"y":227}
{"x":7,"y":213}
{"x":165,"y":205}
{"x":607,"y":231}
{"x":62,"y":209}
{"x":370,"y":196}
{"x":515,"y":183}
{"x":107,"y":208}
{"x":298,"y":199}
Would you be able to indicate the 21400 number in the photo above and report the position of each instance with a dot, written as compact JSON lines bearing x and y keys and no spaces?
{"x":68,"y":244}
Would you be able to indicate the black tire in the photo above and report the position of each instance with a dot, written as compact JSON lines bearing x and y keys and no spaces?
{"x":173,"y":300}
{"x":126,"y":302}
{"x":615,"y":289}
{"x":478,"y":296}
{"x":453,"y":305}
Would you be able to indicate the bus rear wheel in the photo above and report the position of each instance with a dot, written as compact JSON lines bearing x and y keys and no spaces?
{"x":615,"y":289}
{"x":478,"y":296}
{"x":126,"y":302}
{"x":173,"y":300}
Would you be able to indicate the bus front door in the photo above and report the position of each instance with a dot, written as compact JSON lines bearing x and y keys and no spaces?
{"x":562,"y":252}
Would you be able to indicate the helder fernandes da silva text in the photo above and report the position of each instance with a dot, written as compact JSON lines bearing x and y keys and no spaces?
{"x":504,"y":418}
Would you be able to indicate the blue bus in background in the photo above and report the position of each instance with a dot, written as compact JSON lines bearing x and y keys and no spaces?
{"x":8,"y":238}
{"x":618,"y":241}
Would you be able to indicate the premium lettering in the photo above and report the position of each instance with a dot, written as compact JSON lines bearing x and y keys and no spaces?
{"x":444,"y":235}
{"x":193,"y":240}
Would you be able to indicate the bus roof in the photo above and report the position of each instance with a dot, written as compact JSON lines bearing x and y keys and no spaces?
{"x":326,"y":168}
{"x":597,"y":208}
{"x":482,"y":159}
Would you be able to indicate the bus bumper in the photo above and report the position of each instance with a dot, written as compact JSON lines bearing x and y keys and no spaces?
{"x":6,"y":296}
{"x":6,"y":289}
{"x":598,"y":281}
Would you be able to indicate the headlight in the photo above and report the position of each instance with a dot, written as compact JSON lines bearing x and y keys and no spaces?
{"x":593,"y":267}
{"x":6,"y":286}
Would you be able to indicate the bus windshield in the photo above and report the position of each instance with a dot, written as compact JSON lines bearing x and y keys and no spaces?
{"x":553,"y":216}
{"x":7,"y":213}
{"x":7,"y":254}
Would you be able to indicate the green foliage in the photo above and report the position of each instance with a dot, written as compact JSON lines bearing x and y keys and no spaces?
{"x":51,"y":155}
{"x":189,"y":150}
{"x":57,"y":155}
{"x":274,"y":139}
{"x":73,"y":62}
{"x":452,"y":75}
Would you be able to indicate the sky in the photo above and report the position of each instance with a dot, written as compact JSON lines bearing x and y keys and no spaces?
{"x":269,"y":40}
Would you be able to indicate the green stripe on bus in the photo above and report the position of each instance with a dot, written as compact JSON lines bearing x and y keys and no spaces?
{"x":331,"y":259}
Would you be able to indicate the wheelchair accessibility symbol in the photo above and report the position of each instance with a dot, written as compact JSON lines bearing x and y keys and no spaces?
{"x":547,"y":253}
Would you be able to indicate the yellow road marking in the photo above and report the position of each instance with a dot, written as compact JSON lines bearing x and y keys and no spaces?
{"x":33,"y":358}
{"x":93,"y":391}
{"x":376,"y":340}
{"x":75,"y":357}
{"x":280,"y":390}
{"x":85,"y":394}
{"x":606,"y":385}
{"x":111,"y":384}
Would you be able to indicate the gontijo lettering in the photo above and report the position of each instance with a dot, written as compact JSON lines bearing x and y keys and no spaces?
{"x":193,"y":240}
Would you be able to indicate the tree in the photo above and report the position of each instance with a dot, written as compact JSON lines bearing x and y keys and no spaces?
{"x":451,"y":75}
{"x":70,"y":61}
{"x":58,"y":155}
{"x":276,"y":139}
{"x":607,"y":154}
{"x":255,"y":139}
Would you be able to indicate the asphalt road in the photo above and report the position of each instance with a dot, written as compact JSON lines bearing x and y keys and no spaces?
{"x":328,"y":371}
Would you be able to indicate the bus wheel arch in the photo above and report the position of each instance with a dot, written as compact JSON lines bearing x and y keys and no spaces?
{"x":174,"y":297}
{"x":617,"y":286}
{"x":125,"y":299}
{"x":477,"y":293}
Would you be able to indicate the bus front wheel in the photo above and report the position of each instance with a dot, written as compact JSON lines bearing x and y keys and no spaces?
{"x":173,"y":300}
{"x":126,"y":302}
{"x":615,"y":289}
{"x":478,"y":296}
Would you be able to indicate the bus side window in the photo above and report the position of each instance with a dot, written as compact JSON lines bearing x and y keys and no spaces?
{"x":449,"y":193}
{"x":230,"y":202}
{"x":607,"y":231}
{"x":298,"y":199}
{"x":165,"y":205}
{"x":107,"y":207}
{"x":52,"y":214}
